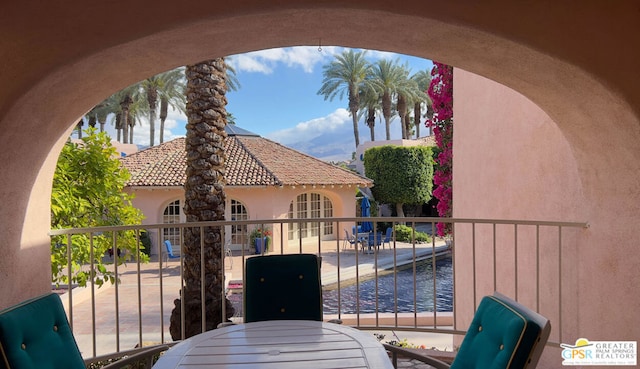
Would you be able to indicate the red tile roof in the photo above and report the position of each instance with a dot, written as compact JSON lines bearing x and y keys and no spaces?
{"x":252,"y":161}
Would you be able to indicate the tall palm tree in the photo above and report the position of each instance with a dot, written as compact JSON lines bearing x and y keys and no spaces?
{"x":122,"y":104}
{"x":171,"y":94}
{"x":423,"y":80}
{"x":204,"y":200}
{"x":387,"y":78}
{"x":151,"y":86}
{"x":346,"y":73}
{"x":407,"y":94}
{"x":369,"y":105}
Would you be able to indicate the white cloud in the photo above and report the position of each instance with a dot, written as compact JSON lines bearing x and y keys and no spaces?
{"x":265,"y":61}
{"x":330,"y":137}
{"x":334,"y":123}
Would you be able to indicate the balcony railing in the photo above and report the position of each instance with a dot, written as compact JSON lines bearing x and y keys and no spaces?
{"x":529,"y":260}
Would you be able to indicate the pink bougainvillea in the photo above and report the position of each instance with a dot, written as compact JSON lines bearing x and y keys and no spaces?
{"x":441,"y":94}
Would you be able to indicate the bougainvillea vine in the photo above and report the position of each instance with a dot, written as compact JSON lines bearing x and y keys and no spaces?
{"x":441,"y":94}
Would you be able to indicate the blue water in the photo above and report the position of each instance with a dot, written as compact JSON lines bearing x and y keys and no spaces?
{"x":405,"y":285}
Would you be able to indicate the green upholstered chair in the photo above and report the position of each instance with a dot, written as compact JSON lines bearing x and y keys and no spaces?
{"x":502,"y":334}
{"x":282,"y":287}
{"x":36,"y":334}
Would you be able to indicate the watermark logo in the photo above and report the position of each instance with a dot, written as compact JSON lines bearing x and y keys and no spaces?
{"x":586,"y":352}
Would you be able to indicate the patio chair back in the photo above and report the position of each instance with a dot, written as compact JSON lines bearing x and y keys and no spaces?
{"x":387,"y":237}
{"x":282,"y":287}
{"x":503,"y":334}
{"x":36,"y":334}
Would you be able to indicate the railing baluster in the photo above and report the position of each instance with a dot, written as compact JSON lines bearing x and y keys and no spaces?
{"x":560,"y":284}
{"x":495,"y":260}
{"x":139,"y":287}
{"x":515,"y":259}
{"x":203,"y":286}
{"x":117,"y":301}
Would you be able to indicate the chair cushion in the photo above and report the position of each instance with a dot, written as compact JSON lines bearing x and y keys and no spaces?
{"x":500,"y":336}
{"x":36,"y":334}
{"x":282,"y":287}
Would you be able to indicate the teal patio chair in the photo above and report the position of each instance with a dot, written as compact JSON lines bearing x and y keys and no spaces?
{"x":36,"y":334}
{"x":282,"y":287}
{"x":503,"y":334}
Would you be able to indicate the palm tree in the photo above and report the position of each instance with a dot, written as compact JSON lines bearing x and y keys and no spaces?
{"x":423,"y":80}
{"x":346,"y":73}
{"x":204,"y":200}
{"x":171,"y":94}
{"x":123,"y":104}
{"x":388,"y":76}
{"x":408,"y":94}
{"x":151,"y":86}
{"x":369,"y":104}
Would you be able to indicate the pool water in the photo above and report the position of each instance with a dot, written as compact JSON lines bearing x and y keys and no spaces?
{"x":385,"y":298}
{"x":405,"y":285}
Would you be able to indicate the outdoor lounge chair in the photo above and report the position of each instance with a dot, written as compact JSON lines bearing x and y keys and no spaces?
{"x":169,"y":254}
{"x":36,"y":334}
{"x":502,"y":334}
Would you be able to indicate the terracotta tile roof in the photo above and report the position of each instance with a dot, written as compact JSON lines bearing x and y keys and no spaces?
{"x":252,"y":161}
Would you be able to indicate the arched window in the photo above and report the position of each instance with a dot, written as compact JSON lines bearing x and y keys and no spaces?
{"x":239,"y":234}
{"x":172,"y":215}
{"x":310,"y":206}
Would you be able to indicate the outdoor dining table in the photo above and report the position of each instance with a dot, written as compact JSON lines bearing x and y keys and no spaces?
{"x":278,"y":344}
{"x":363,"y":239}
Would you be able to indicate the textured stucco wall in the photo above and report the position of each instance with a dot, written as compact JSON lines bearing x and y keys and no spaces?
{"x":512,"y":161}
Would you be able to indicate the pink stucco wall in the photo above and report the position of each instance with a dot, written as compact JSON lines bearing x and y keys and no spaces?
{"x":511,"y":161}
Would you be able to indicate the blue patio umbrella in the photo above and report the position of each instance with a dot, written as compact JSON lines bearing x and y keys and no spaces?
{"x":365,"y":206}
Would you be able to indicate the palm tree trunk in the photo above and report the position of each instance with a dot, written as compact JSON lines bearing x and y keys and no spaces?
{"x":402,"y":112}
{"x":386,"y":112}
{"x":152,"y":98}
{"x":356,"y":134}
{"x":371,"y":122}
{"x":417,"y":115}
{"x":164,"y":107}
{"x":204,"y":200}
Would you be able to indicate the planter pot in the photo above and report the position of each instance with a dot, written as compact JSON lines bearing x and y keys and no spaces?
{"x":261,"y":245}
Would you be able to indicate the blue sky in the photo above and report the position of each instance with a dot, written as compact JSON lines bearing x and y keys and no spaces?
{"x":277,"y":99}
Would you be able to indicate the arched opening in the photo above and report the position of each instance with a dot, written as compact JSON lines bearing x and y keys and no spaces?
{"x":173,"y":214}
{"x":61,"y":73}
{"x":310,"y":205}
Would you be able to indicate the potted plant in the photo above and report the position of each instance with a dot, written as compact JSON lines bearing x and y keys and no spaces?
{"x":261,"y":239}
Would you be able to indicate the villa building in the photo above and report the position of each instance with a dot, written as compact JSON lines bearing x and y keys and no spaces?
{"x":265,"y":180}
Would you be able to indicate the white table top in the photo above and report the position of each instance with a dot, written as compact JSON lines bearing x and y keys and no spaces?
{"x":290,"y":344}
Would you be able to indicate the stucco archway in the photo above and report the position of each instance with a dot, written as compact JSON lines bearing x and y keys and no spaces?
{"x":577,"y":62}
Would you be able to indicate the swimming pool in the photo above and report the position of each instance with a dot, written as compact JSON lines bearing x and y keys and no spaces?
{"x":405,"y":284}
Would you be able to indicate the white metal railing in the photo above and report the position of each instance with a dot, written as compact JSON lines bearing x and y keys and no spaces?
{"x":508,"y":255}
